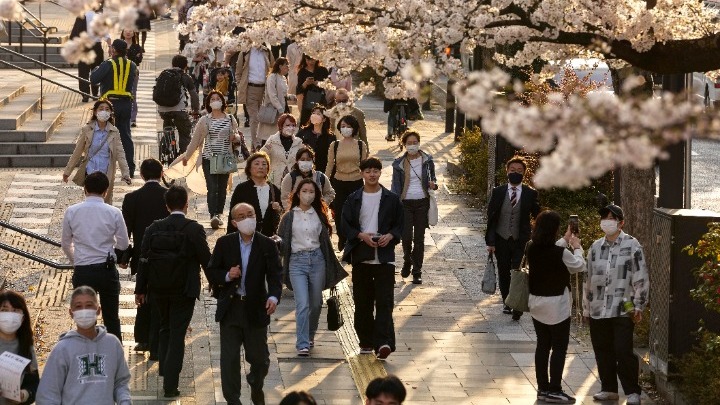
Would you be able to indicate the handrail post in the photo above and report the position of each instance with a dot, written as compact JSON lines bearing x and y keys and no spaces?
{"x":42,"y":99}
{"x":20,"y":27}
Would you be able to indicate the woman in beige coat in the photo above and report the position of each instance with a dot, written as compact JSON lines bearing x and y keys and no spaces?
{"x":98,"y":149}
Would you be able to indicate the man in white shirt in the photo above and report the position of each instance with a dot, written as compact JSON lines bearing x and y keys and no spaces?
{"x":372,"y":219}
{"x":91,"y":232}
{"x":251,"y":72}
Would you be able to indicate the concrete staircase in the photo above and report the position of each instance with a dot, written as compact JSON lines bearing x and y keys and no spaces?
{"x":26,"y":139}
{"x":28,"y":40}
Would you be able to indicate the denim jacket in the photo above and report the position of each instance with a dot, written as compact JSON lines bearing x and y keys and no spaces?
{"x":402,"y":172}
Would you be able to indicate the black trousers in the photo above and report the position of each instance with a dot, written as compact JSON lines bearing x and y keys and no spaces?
{"x":147,"y":325}
{"x":612,"y":341}
{"x":181,"y":121}
{"x":236,"y":331}
{"x":84,"y":70}
{"x":106,"y":282}
{"x":342,"y":190}
{"x":374,"y":289}
{"x":123,"y":109}
{"x":175,"y":312}
{"x":508,"y":255}
{"x":555,"y":338}
{"x":413,"y":236}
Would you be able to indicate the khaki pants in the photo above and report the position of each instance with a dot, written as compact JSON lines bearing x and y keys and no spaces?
{"x":254,"y":100}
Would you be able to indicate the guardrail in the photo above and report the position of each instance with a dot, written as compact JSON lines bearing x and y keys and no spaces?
{"x":28,"y":255}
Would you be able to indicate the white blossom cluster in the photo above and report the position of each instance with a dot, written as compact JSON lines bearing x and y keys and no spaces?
{"x":10,"y":10}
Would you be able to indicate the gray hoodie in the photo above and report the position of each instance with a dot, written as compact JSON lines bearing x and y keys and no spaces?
{"x":82,"y":370}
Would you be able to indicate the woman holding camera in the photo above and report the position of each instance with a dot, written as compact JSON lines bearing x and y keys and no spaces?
{"x":551,"y":264}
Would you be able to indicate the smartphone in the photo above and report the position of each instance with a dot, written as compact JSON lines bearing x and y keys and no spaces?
{"x":574,"y":222}
{"x":376,"y":237}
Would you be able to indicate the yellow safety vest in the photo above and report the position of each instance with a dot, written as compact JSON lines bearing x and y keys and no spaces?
{"x":120,"y":79}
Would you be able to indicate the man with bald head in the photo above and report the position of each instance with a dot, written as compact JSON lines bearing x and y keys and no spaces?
{"x":246,"y":276}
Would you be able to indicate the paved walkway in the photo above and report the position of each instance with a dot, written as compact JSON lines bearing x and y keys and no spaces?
{"x":454,"y":344}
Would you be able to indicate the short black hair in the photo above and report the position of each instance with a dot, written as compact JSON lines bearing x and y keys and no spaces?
{"x":371,"y":163}
{"x":151,"y":169}
{"x":547,"y":225}
{"x":389,"y":385}
{"x":352,"y":121}
{"x":297,"y":398}
{"x":176,"y":198}
{"x":96,"y":183}
{"x":180,"y":61}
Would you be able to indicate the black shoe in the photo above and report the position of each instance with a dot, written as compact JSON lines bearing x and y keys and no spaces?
{"x":133,"y":124}
{"x":516,"y":315}
{"x":507,"y":310}
{"x":85,"y":99}
{"x":417,"y":279}
{"x":172,"y":393}
{"x":405,"y":272}
{"x":257,"y":396}
{"x":142,"y":347}
{"x":247,"y":123}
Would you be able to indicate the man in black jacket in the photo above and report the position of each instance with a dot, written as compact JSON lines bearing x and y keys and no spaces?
{"x":174,"y":306}
{"x":177,"y":116}
{"x":508,"y":228}
{"x":140,"y":208}
{"x":242,"y":264}
{"x":372,"y":219}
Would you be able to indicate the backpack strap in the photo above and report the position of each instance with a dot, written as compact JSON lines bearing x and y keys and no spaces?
{"x":335,"y":148}
{"x":360,"y":149}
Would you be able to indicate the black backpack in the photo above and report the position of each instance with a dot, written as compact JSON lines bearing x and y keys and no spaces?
{"x":168,"y":88}
{"x":164,"y":262}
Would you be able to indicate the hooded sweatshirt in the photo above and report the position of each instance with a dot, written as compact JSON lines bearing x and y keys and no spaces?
{"x":81,"y":370}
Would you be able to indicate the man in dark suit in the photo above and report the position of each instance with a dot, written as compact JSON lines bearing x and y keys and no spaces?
{"x":175,"y":307}
{"x":140,"y":208}
{"x":241,"y":265}
{"x":508,"y":228}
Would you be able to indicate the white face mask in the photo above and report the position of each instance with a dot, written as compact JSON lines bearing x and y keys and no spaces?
{"x":609,"y":226}
{"x":216,"y":105}
{"x":246,"y":226}
{"x":10,"y":322}
{"x":316,"y":119}
{"x":289,"y":131}
{"x":307,"y":198}
{"x":346,"y":131}
{"x":305,"y":165}
{"x":103,"y":115}
{"x":412,"y":149}
{"x":85,"y":318}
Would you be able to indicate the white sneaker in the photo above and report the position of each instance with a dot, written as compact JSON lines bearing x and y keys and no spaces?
{"x":606,"y":396}
{"x":633,"y":399}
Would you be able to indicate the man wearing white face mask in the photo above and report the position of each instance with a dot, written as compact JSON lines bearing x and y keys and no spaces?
{"x":246,"y":275}
{"x":87,"y":365}
{"x":614,"y":296}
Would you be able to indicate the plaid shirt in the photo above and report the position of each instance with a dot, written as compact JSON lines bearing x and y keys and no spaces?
{"x":616,"y":272}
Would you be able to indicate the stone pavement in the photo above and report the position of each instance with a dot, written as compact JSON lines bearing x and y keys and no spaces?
{"x":454,"y":344}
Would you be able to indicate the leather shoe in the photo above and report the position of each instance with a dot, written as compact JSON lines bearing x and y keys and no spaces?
{"x":516,"y":315}
{"x":142,"y":347}
{"x":507,"y":310}
{"x":172,"y":393}
{"x":257,"y":396}
{"x":405,"y":272}
{"x":417,"y":279}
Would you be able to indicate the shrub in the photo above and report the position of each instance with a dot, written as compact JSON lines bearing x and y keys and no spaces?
{"x":708,"y":274}
{"x":474,"y":160}
{"x":699,"y":372}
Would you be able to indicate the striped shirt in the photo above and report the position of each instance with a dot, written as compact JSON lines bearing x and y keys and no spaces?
{"x":218,"y":137}
{"x":617,"y":273}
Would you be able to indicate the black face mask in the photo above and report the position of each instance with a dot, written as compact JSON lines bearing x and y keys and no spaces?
{"x":515,"y":178}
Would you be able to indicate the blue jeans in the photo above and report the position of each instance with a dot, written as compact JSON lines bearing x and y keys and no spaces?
{"x":307,"y":276}
{"x":217,"y":189}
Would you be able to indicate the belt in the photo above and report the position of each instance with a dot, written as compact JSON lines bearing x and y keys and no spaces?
{"x":240,"y":297}
{"x":256,"y":85}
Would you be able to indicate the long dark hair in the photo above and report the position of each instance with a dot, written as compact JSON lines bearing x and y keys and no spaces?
{"x":303,"y":62}
{"x":24,"y":333}
{"x":547,"y":225}
{"x":320,"y":207}
{"x":95,"y":107}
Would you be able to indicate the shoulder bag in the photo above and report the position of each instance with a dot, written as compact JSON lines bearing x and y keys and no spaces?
{"x":81,"y":173}
{"x":519,"y":294}
{"x":267,"y":114}
{"x":489,"y":280}
{"x":225,"y":162}
{"x":334,"y":313}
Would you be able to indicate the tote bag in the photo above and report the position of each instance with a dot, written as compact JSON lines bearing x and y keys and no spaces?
{"x":489,"y":280}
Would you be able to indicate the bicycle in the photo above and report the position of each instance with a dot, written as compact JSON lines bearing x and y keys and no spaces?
{"x":168,"y":147}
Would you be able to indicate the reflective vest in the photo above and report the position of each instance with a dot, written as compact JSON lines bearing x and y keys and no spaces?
{"x":120,"y":79}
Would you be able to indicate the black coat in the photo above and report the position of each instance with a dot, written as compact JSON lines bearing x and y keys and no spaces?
{"x":319,"y":144}
{"x":140,"y":208}
{"x":263,"y":266}
{"x":529,"y":206}
{"x":245,"y":193}
{"x":197,"y":253}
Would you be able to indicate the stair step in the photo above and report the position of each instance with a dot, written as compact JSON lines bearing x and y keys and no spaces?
{"x":36,"y":148}
{"x":14,"y":114}
{"x":10,"y":92}
{"x":34,"y":160}
{"x":33,"y":130}
{"x":36,"y":48}
{"x":29,"y":39}
{"x":51,"y":57}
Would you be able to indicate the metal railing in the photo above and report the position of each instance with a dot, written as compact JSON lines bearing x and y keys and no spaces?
{"x":29,"y":23}
{"x":28,"y":255}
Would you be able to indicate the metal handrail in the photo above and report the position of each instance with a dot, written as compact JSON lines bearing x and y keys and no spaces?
{"x":29,"y":255}
{"x":42,"y":24}
{"x":49,"y":80}
{"x":43,"y":64}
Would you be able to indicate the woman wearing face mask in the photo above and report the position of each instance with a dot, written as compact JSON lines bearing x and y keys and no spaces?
{"x":215,"y":133}
{"x":343,"y":169}
{"x":261,"y":194}
{"x":99,"y":144}
{"x":16,"y":337}
{"x":304,"y":169}
{"x":276,"y":92}
{"x":282,"y":147}
{"x":318,"y":135}
{"x":413,"y":176}
{"x":309,"y":263}
{"x":87,"y":365}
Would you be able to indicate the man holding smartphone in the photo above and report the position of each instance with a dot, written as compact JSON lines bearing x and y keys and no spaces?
{"x":508,"y":228}
{"x":372,"y":219}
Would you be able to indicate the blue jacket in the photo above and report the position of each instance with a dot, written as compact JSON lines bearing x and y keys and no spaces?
{"x":400,"y":177}
{"x":103,"y":76}
{"x":390,"y":220}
